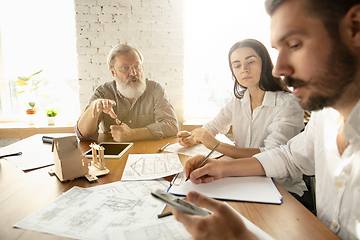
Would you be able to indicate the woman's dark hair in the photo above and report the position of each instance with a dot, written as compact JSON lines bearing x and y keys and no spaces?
{"x":267,"y":81}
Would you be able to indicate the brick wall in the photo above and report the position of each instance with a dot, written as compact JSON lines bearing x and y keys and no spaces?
{"x":154,"y":27}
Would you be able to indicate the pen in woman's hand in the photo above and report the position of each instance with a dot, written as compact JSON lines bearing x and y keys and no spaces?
{"x":10,"y":155}
{"x":187,"y":135}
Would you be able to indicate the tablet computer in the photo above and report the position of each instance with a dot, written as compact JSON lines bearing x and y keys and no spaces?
{"x":112,"y":149}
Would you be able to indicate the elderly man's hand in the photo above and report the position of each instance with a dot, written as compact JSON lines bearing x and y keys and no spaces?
{"x":121,"y":133}
{"x":103,"y":105}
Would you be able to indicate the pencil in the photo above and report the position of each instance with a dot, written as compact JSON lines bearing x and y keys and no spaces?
{"x":187,"y":135}
{"x":165,"y":214}
{"x":204,"y":159}
{"x":10,"y":155}
{"x":162,"y":148}
{"x":122,"y":119}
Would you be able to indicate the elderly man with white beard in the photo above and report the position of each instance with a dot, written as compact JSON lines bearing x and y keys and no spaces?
{"x":131,"y":107}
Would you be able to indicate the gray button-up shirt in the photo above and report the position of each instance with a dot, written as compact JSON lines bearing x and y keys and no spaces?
{"x":152,"y":110}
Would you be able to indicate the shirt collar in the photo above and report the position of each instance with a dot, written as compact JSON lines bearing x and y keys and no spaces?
{"x":269,"y":98}
{"x":351,"y":128}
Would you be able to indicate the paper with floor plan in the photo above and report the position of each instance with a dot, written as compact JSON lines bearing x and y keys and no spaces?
{"x":87,"y":213}
{"x":249,"y":189}
{"x":168,"y":228}
{"x":198,"y":148}
{"x":151,"y":166}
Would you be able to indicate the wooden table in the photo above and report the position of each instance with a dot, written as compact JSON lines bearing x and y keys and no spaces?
{"x":23,"y":193}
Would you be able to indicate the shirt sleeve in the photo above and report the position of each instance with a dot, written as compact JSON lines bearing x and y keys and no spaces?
{"x":166,"y":123}
{"x":223,"y":120}
{"x":287,"y":163}
{"x":287,"y":123}
{"x":99,"y":93}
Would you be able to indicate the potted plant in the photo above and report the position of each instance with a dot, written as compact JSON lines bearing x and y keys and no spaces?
{"x":51,"y":114}
{"x":30,"y":87}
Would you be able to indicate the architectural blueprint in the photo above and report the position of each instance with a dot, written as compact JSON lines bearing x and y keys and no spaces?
{"x":88,"y":213}
{"x":151,"y":166}
{"x":161,"y":229}
{"x":169,"y":229}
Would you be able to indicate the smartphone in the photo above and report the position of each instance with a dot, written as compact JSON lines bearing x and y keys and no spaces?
{"x":179,"y":204}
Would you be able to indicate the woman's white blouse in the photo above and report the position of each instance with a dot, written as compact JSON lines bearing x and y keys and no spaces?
{"x":278,"y":119}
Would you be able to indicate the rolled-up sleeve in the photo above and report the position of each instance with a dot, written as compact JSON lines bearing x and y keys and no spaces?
{"x":166,"y":123}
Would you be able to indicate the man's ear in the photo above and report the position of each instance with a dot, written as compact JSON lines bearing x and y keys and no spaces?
{"x":112,"y":71}
{"x":352,"y":18}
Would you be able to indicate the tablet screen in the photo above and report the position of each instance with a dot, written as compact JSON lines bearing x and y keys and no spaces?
{"x":112,"y":149}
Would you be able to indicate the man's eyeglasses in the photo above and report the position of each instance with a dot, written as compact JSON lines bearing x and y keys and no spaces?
{"x":126,"y":69}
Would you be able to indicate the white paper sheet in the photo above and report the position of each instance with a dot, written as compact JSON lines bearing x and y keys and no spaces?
{"x":160,"y":229}
{"x":151,"y":166}
{"x":192,"y":151}
{"x":198,"y":148}
{"x":31,"y":157}
{"x":168,"y":228}
{"x":249,"y":189}
{"x":87,"y":213}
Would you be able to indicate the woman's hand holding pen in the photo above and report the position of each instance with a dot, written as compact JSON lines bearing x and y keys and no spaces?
{"x":103,"y":105}
{"x":223,"y":223}
{"x":185,"y":141}
{"x":198,"y":135}
{"x":211,"y":170}
{"x":202,"y":135}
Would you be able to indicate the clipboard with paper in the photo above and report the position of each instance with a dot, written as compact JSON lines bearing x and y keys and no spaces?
{"x":248,"y":189}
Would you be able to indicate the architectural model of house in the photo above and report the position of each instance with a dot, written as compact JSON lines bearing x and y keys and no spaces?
{"x":70,"y":163}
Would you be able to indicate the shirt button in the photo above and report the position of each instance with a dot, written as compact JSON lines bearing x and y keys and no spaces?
{"x":129,"y":121}
{"x":338,"y":184}
{"x":335,"y":224}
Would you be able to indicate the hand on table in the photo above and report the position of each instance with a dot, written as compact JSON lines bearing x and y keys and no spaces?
{"x":121,"y":133}
{"x":223,"y":223}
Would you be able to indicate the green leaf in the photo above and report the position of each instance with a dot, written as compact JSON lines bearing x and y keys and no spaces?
{"x":44,"y":95}
{"x":20,"y":83}
{"x":52,"y":112}
{"x":35,"y":74}
{"x":32,"y":104}
{"x":20,"y":92}
{"x":34,"y":88}
{"x":39,"y":82}
{"x":25,"y":79}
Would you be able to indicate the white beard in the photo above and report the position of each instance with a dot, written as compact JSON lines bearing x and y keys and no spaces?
{"x":129,"y":89}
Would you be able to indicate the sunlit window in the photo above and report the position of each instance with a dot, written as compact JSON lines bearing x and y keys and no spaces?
{"x":212,"y":27}
{"x":38,"y":35}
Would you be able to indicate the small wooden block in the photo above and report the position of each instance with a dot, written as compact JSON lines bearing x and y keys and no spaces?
{"x":90,"y":178}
